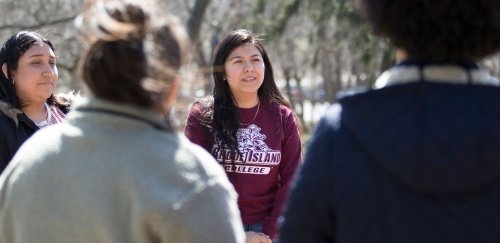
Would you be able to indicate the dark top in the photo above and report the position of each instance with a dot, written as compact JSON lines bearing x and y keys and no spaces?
{"x":415,"y":161}
{"x":15,"y":128}
{"x":12,"y":136}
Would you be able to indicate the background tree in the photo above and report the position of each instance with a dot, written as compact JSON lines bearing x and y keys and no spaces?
{"x":318,"y":47}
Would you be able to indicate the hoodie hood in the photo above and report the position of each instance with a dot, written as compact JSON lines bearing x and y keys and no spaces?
{"x":10,"y":112}
{"x":441,"y":135}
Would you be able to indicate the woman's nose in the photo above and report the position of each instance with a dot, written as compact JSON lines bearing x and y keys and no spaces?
{"x":248,"y":67}
{"x":49,"y":70}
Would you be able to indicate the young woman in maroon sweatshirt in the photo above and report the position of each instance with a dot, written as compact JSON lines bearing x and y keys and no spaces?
{"x":249,"y":128}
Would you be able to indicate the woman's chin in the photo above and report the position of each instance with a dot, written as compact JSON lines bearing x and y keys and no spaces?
{"x":45,"y":96}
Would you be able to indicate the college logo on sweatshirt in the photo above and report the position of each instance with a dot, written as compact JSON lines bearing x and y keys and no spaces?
{"x":255,"y":156}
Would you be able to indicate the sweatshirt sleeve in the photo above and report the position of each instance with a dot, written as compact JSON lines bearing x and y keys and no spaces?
{"x":4,"y":149}
{"x":195,"y":131}
{"x":290,"y":161}
{"x":3,"y":152}
{"x":308,"y":216}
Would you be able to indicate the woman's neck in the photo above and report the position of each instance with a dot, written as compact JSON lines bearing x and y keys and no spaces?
{"x":247,"y":102}
{"x":36,"y":111}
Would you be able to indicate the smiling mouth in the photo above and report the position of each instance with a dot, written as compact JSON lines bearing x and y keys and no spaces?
{"x":249,"y":79}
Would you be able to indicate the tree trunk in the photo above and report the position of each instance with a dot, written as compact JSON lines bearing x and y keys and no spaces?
{"x":196,"y":18}
{"x":288,"y":89}
{"x":300,"y":103}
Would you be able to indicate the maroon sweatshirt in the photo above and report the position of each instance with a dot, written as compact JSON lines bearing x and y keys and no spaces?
{"x":270,"y":154}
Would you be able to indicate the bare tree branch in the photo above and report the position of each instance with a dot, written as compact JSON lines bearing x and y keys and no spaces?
{"x":38,"y":25}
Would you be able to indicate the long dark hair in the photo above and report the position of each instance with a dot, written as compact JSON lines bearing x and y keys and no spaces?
{"x":12,"y":50}
{"x":220,"y":113}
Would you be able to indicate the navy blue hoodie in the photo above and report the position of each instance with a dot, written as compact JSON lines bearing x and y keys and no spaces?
{"x":417,"y":160}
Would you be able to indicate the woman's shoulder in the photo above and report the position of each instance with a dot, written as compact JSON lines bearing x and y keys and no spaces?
{"x":280,"y":108}
{"x":190,"y":159}
{"x":202,"y":105}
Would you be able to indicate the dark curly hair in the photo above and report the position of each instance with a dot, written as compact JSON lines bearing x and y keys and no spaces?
{"x":440,"y":31}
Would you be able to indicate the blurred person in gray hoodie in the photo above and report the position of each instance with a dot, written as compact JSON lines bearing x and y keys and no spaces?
{"x":116,"y":171}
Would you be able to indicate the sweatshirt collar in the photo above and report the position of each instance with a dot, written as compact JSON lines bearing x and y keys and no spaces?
{"x":146,"y":115}
{"x":457,"y":73}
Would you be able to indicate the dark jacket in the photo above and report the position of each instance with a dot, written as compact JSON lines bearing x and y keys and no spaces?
{"x":16,"y":127}
{"x":415,"y":161}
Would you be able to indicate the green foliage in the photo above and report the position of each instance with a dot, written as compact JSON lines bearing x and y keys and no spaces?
{"x":276,"y":25}
{"x":351,"y":29}
{"x":290,"y":7}
{"x":260,"y":7}
{"x":322,"y":10}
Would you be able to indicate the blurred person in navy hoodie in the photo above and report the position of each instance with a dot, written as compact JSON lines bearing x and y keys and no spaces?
{"x":415,"y":158}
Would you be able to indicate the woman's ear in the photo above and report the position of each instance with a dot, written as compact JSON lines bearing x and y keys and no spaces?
{"x":4,"y":70}
{"x":401,"y":55}
{"x":170,"y":95}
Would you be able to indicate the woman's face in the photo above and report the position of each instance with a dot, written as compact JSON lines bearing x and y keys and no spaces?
{"x":244,"y":71}
{"x":36,"y":75}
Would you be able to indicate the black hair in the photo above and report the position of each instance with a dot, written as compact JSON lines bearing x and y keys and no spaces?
{"x":441,"y":31}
